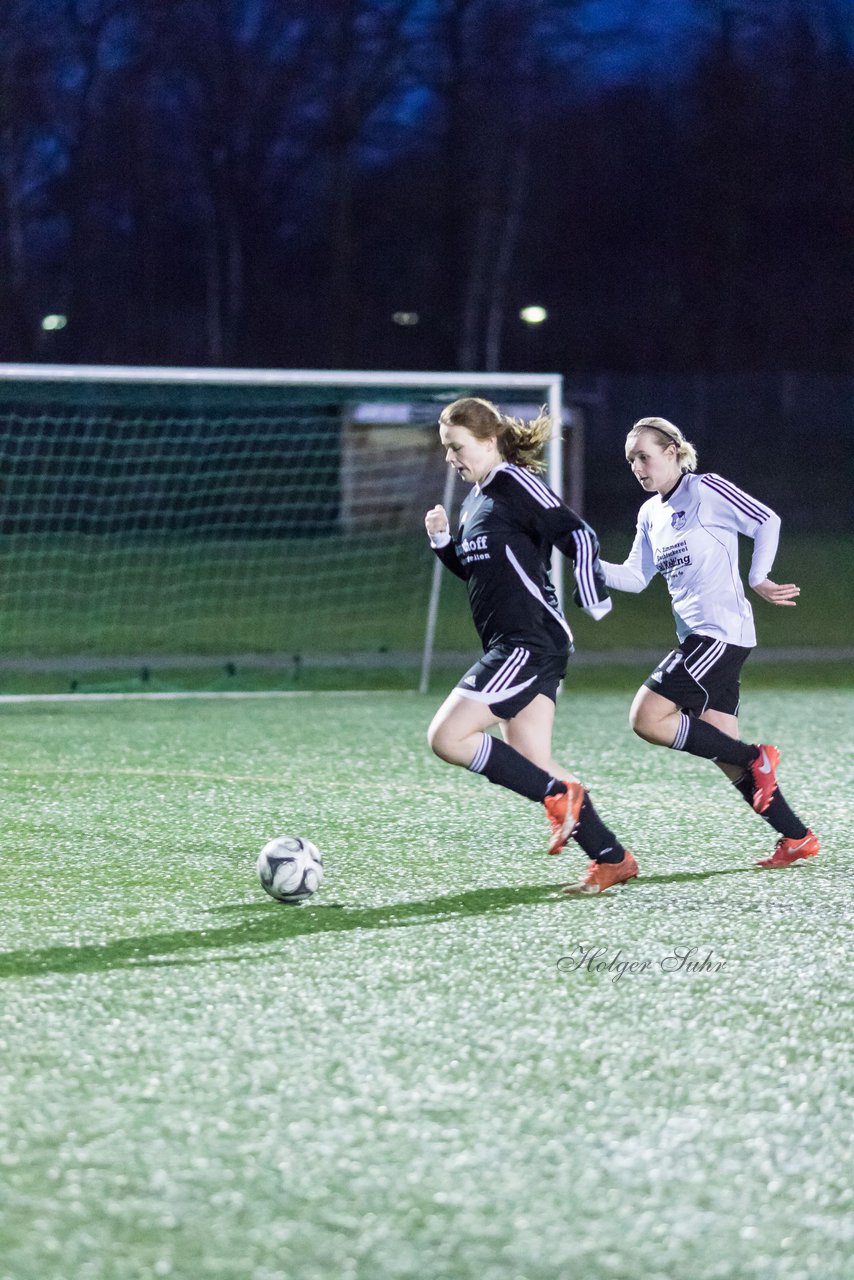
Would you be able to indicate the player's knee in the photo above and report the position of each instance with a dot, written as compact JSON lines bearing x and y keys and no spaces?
{"x":642,"y":724}
{"x":439,"y":740}
{"x":636,"y":719}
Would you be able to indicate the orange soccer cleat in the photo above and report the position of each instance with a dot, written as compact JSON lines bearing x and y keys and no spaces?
{"x":562,"y":811}
{"x":788,"y":851}
{"x":604,"y":875}
{"x":763,"y":775}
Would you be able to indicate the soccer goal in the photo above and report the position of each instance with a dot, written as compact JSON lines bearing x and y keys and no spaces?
{"x":231,"y":520}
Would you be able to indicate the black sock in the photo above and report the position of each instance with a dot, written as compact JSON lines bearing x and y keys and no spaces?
{"x":507,"y":767}
{"x":778,"y":814}
{"x":699,"y":738}
{"x":597,"y":840}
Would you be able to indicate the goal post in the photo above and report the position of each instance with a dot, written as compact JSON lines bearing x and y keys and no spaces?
{"x":232,"y":519}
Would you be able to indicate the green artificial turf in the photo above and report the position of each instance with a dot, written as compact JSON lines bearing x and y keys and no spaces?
{"x":440,"y":1068}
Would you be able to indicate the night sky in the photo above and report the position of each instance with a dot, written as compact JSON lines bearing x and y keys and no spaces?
{"x":269,"y":183}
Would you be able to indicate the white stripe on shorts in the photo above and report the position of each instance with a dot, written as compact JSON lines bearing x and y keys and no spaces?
{"x":488,"y":696}
{"x":504,"y":683}
{"x":508,"y":671}
{"x":701,"y":664}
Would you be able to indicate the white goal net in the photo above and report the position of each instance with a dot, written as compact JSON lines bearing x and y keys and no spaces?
{"x":227,"y":521}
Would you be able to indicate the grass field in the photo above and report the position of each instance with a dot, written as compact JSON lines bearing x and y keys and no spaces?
{"x":417,"y":1074}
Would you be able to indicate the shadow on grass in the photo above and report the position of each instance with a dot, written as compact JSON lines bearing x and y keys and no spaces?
{"x":262,"y":923}
{"x":685,"y":877}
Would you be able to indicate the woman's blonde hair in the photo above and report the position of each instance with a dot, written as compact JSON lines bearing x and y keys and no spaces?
{"x":518,"y":442}
{"x":668,"y":433}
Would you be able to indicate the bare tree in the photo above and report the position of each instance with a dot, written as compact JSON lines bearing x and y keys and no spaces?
{"x":46,"y":81}
{"x":502,"y":67}
{"x":229,"y":93}
{"x":18,"y":124}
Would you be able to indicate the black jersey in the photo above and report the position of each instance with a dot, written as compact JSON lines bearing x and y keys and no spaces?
{"x":508,"y":526}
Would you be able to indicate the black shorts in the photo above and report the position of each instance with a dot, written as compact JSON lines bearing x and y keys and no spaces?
{"x":703,"y":674}
{"x":508,"y":677}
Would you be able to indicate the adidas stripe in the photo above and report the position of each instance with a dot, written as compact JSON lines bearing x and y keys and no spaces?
{"x":736,"y":497}
{"x":533,"y":484}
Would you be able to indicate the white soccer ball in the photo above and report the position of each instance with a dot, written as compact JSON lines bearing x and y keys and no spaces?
{"x":290,"y":868}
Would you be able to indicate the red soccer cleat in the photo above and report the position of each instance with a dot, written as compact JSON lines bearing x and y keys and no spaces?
{"x":788,"y":851}
{"x":763,"y":775}
{"x":562,"y":812}
{"x":604,"y":875}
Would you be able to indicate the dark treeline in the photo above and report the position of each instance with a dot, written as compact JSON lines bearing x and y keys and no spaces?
{"x":267,"y":182}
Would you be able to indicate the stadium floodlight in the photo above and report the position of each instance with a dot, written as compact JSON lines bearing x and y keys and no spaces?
{"x":533,"y":315}
{"x":406,"y":318}
{"x":53,"y":322}
{"x":179,"y":517}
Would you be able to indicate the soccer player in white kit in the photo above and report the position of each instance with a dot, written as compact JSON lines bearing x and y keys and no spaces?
{"x":688,"y":532}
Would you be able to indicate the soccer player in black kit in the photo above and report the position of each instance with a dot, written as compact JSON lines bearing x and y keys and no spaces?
{"x":502,"y":550}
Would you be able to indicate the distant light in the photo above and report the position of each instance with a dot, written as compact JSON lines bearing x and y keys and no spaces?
{"x":406,"y":317}
{"x":50,"y":323}
{"x":533,"y":315}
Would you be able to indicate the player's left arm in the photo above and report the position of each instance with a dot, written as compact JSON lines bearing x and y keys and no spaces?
{"x":591,"y":593}
{"x":575,"y":539}
{"x":752,"y":518}
{"x":539,"y":508}
{"x":765,"y":542}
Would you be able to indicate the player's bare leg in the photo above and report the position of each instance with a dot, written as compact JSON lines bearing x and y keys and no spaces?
{"x":530,"y":733}
{"x":570,"y":814}
{"x":654,"y":718}
{"x":458,"y":734}
{"x":456,"y":728}
{"x":658,"y":720}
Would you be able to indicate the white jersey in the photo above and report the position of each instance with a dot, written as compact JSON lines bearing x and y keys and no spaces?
{"x":691,"y":539}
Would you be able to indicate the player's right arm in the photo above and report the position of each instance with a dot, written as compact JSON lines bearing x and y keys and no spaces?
{"x":638,"y":570}
{"x":439,"y":531}
{"x":438,"y":526}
